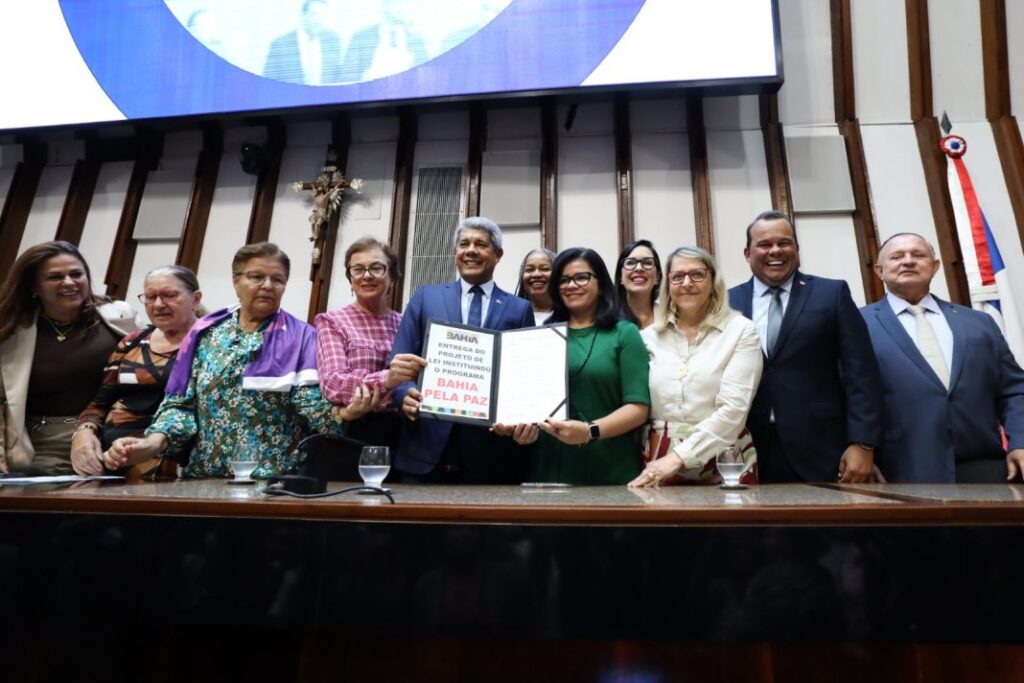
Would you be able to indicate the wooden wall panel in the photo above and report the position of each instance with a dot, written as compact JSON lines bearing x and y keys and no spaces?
{"x":699,"y":173}
{"x":197,"y":216}
{"x":624,"y":172}
{"x":341,"y":141}
{"x":401,"y":201}
{"x":266,"y":184}
{"x":18,"y":204}
{"x":549,"y":175}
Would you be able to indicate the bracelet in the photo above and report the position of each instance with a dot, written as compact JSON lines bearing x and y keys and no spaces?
{"x":91,"y":426}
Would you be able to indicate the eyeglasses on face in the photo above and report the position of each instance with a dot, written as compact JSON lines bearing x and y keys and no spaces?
{"x":167,"y":296}
{"x":646,"y":263}
{"x":256,"y":279}
{"x":696,"y":275}
{"x":579,"y":279}
{"x":375,"y":269}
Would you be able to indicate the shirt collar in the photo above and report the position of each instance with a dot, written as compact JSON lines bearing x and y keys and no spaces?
{"x":899,"y":304}
{"x":760,"y":288}
{"x":488,"y":287}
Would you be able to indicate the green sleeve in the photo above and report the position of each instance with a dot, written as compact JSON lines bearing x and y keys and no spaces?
{"x":176,"y":418}
{"x":634,"y":365}
{"x":316,"y":410}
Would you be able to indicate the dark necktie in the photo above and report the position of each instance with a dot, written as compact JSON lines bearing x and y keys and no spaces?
{"x":476,"y":307}
{"x":774,"y":319}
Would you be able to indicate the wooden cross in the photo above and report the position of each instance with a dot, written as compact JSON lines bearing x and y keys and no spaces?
{"x":328,"y":191}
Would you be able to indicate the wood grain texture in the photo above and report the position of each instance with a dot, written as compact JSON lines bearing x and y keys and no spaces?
{"x":266,"y":184}
{"x":549,"y":175}
{"x":624,"y":171}
{"x":401,"y":201}
{"x":700,"y":174}
{"x":320,"y":276}
{"x":477,"y":147}
{"x":200,"y":200}
{"x":18,"y":204}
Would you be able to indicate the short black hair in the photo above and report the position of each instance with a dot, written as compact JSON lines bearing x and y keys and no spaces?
{"x":607,"y":313}
{"x":625,"y":312}
{"x":772,"y":215}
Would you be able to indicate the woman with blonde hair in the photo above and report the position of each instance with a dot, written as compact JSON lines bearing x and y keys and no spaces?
{"x":705,"y":363}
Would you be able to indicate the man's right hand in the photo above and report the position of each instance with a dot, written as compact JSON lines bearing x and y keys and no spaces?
{"x":405,"y":367}
{"x":411,"y":403}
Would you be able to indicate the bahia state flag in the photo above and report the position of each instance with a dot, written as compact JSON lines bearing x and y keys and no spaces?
{"x":986,"y":273}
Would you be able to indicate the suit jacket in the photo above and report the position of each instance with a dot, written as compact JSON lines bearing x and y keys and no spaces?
{"x":822,"y":381}
{"x":363,"y":48}
{"x":284,"y":63}
{"x":16,"y":354}
{"x":929,"y":430}
{"x":492,"y":458}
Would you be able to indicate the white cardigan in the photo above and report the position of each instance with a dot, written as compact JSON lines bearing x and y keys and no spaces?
{"x":16,"y":356}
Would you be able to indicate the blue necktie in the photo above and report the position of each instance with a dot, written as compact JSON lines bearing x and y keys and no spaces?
{"x":476,"y":307}
{"x":774,"y":319}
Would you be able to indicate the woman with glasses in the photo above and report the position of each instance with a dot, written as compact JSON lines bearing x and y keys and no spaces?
{"x":353,"y":344}
{"x":608,"y":394}
{"x":55,"y":338}
{"x":534,"y":281}
{"x":137,"y":371}
{"x":638,"y":275}
{"x":244,"y":383}
{"x":705,"y":366}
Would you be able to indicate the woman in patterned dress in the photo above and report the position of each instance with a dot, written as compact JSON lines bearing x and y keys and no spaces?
{"x":245,"y":383}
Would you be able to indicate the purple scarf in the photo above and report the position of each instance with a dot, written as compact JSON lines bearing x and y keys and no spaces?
{"x":287,"y":358}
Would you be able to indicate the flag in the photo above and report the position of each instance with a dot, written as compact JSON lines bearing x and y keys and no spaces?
{"x":987,"y":279}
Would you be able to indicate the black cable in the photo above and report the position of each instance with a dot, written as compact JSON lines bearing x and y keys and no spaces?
{"x":279,"y":490}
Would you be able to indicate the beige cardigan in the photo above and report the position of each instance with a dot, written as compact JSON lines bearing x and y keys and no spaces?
{"x":16,"y":354}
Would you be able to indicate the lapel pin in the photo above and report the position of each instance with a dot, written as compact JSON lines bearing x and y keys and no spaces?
{"x":802,"y":283}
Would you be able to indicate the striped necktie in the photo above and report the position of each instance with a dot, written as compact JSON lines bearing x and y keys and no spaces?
{"x":928,"y":344}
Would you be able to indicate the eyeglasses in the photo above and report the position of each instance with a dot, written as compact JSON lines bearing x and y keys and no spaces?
{"x":375,"y":269}
{"x":579,"y":279}
{"x":679,"y":276}
{"x":646,"y":263}
{"x":170,"y":296}
{"x":257,"y":279}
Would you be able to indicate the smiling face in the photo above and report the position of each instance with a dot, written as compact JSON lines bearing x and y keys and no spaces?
{"x":906,"y":265}
{"x":536,"y":276}
{"x":371,"y":290}
{"x":62,"y":286}
{"x":641,"y":279}
{"x":690,"y":297}
{"x":475,"y":256}
{"x":773,"y":254}
{"x":260,"y":284}
{"x":169,"y":304}
{"x":581,"y":301}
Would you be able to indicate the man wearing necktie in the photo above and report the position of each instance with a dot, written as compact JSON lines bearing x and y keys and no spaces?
{"x":440,"y":451}
{"x":816,"y":415}
{"x":950,"y":378}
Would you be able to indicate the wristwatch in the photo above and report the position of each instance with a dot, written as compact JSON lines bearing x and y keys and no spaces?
{"x":595,"y":431}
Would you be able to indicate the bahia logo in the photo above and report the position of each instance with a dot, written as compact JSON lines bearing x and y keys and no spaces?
{"x":463,"y":337}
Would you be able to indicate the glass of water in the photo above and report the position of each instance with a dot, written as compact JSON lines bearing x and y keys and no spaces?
{"x":374,"y":465}
{"x":730,"y":467}
{"x":242,"y":469}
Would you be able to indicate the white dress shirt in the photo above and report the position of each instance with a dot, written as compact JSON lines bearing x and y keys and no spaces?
{"x":759,"y":307}
{"x":933,"y":315}
{"x":467,"y":299}
{"x":708,"y":385}
{"x":311,"y":58}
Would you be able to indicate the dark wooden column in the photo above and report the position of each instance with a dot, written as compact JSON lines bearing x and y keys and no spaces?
{"x":477,"y":147}
{"x":80,"y":192}
{"x":341,"y":141}
{"x":933,"y":161}
{"x":700,"y":176}
{"x":402,"y":198}
{"x":775,"y":154}
{"x":204,"y":184}
{"x":624,"y":171}
{"x":19,"y":200}
{"x":266,"y":184}
{"x":149,"y":147}
{"x":549,"y":174}
{"x":864,"y":229}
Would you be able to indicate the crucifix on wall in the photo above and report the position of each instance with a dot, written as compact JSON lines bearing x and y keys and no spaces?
{"x":328,"y":190}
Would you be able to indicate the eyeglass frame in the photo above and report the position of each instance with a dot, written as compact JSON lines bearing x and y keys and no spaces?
{"x":565,"y":280}
{"x":645,"y":263}
{"x":368,"y":269}
{"x":146,"y":301}
{"x":256,"y":279}
{"x":679,"y":277}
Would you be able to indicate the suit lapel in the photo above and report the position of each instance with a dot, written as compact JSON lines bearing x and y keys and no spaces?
{"x":496,"y":309}
{"x":798,"y":295}
{"x":887,"y":319}
{"x":956,"y":324}
{"x":746,"y":299}
{"x":453,"y":301}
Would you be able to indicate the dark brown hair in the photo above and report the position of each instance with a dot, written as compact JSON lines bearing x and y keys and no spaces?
{"x":365,"y":244}
{"x":260,"y":250}
{"x":18,"y":301}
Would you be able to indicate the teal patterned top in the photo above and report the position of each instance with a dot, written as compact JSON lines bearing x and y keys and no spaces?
{"x":225,"y":420}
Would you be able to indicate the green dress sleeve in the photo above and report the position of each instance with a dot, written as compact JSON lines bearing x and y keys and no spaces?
{"x":634,"y":366}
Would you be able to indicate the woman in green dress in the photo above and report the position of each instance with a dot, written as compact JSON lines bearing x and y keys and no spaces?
{"x":608,"y":393}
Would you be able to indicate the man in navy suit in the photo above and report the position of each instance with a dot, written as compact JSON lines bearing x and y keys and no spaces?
{"x":309,"y":55}
{"x":817,"y":414}
{"x":950,"y":378}
{"x":440,"y":451}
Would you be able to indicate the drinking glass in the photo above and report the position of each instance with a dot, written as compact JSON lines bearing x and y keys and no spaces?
{"x":730,"y":467}
{"x":374,"y":465}
{"x":242,"y":468}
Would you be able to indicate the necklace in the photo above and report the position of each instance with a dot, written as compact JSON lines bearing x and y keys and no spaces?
{"x":60,"y":329}
{"x":593,"y":338}
{"x":684,"y":358}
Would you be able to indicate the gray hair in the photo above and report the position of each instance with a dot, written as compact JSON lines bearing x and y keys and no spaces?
{"x":479,"y":223}
{"x":890,"y":238}
{"x":718,"y":305}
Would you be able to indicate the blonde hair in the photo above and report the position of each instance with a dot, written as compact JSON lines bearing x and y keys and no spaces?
{"x":718,"y":305}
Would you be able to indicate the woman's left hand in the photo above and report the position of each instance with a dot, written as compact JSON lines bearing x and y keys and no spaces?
{"x":572,"y":432}
{"x":364,"y":400}
{"x":658,"y":471}
{"x":86,"y":453}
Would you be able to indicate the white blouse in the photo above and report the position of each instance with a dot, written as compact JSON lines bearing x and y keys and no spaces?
{"x":708,"y":386}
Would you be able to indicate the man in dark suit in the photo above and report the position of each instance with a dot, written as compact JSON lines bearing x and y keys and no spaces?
{"x":817,"y":413}
{"x":439,"y":451}
{"x":309,"y":55}
{"x":950,"y":378}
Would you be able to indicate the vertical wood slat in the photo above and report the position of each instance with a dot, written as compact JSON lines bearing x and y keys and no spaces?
{"x":81,"y":189}
{"x":266,"y":184}
{"x":477,"y":147}
{"x":341,"y":142}
{"x":624,"y":171}
{"x":19,"y":200}
{"x":699,"y":173}
{"x":398,"y":236}
{"x":119,"y":270}
{"x":842,"y":61}
{"x":775,"y":154}
{"x":549,"y":174}
{"x":204,"y":184}
{"x":919,"y":59}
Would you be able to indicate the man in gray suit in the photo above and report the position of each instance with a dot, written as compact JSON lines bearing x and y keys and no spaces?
{"x":950,"y":378}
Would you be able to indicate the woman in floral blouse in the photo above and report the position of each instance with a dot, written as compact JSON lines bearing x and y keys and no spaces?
{"x":245,"y":383}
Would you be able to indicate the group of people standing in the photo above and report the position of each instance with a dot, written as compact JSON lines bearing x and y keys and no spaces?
{"x":666,"y":368}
